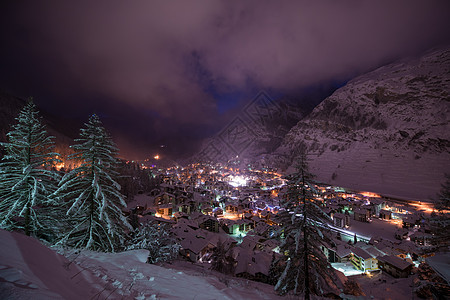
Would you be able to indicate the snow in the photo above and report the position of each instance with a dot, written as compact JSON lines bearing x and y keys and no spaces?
{"x":30,"y":270}
{"x":377,"y":228}
{"x":441,"y":264}
{"x":384,"y":286}
{"x":347,"y":268}
{"x":386,"y":131}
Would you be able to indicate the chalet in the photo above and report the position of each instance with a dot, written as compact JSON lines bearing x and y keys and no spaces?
{"x":245,"y":225}
{"x":165,"y":210}
{"x":343,"y":253}
{"x":207,"y":209}
{"x":196,"y":247}
{"x":231,"y":208}
{"x":401,"y":234}
{"x":208,"y":223}
{"x":411,"y":220}
{"x":185,"y":208}
{"x":253,"y":265}
{"x":341,"y":220}
{"x":361,"y":214}
{"x":421,"y":238}
{"x":377,"y":205}
{"x":395,"y":266}
{"x":385,"y":214}
{"x":164,"y":198}
{"x":198,"y":244}
{"x":230,"y":226}
{"x":337,"y":252}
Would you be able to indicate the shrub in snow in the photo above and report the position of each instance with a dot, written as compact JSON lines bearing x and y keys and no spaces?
{"x":157,"y":239}
{"x":307,"y":270}
{"x":92,"y":195}
{"x":26,"y":178}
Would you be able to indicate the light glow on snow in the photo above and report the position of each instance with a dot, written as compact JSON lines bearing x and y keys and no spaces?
{"x":238,"y":180}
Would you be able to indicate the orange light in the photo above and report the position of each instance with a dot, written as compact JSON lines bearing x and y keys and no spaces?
{"x":156,"y":156}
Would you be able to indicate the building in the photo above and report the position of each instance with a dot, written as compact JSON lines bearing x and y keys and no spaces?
{"x":385,"y":214}
{"x":341,"y":220}
{"x":361,"y":214}
{"x":362,"y":260}
{"x":395,"y":266}
{"x":208,"y":223}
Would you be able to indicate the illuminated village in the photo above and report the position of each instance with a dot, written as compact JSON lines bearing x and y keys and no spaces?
{"x":209,"y":204}
{"x":225,"y":150}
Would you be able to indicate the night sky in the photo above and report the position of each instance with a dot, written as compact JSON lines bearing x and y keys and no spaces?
{"x":174,"y":72}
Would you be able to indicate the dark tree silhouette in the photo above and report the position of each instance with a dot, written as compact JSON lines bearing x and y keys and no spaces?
{"x":303,"y":224}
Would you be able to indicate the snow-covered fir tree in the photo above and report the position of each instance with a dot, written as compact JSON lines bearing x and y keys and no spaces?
{"x":156,"y":238}
{"x":439,"y":221}
{"x":92,"y":195}
{"x":303,"y":223}
{"x":221,"y":259}
{"x":26,"y":175}
{"x":443,"y":197}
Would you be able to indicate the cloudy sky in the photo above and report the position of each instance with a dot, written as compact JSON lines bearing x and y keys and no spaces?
{"x":173,"y":72}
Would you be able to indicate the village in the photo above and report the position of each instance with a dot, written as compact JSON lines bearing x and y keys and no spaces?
{"x":209,"y":206}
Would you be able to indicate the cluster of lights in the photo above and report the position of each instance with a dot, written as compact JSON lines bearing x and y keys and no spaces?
{"x":238,"y":180}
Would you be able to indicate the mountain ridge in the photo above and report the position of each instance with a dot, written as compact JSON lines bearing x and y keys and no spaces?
{"x":384,"y":131}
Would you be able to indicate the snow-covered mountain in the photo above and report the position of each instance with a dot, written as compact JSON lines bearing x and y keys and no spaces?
{"x":387,"y":131}
{"x":256,"y":131}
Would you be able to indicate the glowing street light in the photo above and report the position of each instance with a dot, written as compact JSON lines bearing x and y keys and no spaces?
{"x":156,"y":157}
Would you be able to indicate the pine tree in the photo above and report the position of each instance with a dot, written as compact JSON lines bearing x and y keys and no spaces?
{"x":274,"y":270}
{"x":443,"y":201}
{"x":26,"y":178}
{"x":158,"y":240}
{"x":221,"y":259}
{"x":440,"y":222}
{"x":93,"y":196}
{"x":307,"y":270}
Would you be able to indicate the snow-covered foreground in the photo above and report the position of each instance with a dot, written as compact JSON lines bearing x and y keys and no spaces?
{"x":30,"y":270}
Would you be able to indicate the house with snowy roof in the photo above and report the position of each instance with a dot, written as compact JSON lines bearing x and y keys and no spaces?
{"x":208,"y":223}
{"x":395,"y":266}
{"x":164,"y":198}
{"x":361,"y":214}
{"x":165,"y":210}
{"x":195,"y":247}
{"x":253,"y":265}
{"x":343,"y":253}
{"x":229,"y":226}
{"x":341,"y":220}
{"x":198,"y":245}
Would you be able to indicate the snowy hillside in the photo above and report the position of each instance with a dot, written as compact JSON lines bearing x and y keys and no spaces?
{"x":387,"y":131}
{"x":30,"y":270}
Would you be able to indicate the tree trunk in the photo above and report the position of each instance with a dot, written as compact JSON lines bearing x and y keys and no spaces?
{"x":28,"y":208}
{"x":28,"y":219}
{"x":305,"y":240}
